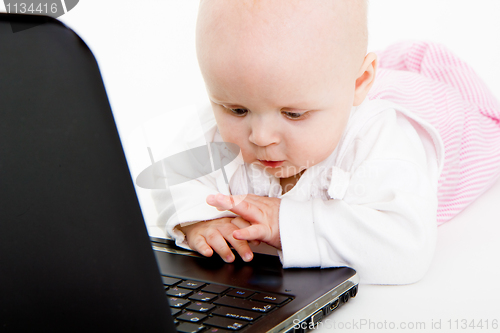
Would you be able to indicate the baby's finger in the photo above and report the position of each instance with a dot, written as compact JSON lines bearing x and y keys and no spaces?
{"x":254,"y":242}
{"x":255,"y":232}
{"x":245,"y":209}
{"x":220,"y":201}
{"x":219,"y":245}
{"x":240,"y":222}
{"x":242,"y":248}
{"x":225,"y":202}
{"x":200,"y":244}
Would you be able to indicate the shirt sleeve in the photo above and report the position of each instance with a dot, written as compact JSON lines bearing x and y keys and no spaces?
{"x":184,"y":203}
{"x":384,"y":226}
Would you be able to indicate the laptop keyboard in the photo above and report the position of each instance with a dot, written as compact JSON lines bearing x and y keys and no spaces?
{"x":207,"y":307}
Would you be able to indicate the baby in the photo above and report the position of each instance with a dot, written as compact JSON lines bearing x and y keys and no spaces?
{"x":335,"y":178}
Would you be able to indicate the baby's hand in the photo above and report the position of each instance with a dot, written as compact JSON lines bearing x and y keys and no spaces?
{"x":261,"y":212}
{"x":209,"y":236}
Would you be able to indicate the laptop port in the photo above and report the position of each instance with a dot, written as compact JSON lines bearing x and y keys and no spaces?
{"x":316,"y":318}
{"x":334,"y":304}
{"x":345,"y":297}
{"x":353,"y":291}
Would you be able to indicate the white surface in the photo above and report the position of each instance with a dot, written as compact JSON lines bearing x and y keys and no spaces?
{"x":146,"y":54}
{"x":462,"y":283}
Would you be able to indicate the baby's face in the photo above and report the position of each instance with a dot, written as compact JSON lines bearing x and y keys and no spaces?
{"x":280,"y":115}
{"x":283,"y":94}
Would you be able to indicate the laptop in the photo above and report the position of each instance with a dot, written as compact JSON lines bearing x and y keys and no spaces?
{"x":74,"y":250}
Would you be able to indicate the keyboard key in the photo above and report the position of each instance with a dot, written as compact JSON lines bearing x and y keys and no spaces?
{"x":175,"y":311}
{"x":190,"y":284}
{"x":224,"y":322}
{"x":244,"y":304}
{"x":215,"y":288}
{"x":190,"y":316}
{"x":200,"y":307}
{"x":240,"y":293}
{"x":236,"y":313}
{"x":177,"y":302}
{"x":179,"y":292}
{"x":269,"y":298}
{"x":170,"y":281}
{"x":189,"y":328}
{"x":202,"y":296}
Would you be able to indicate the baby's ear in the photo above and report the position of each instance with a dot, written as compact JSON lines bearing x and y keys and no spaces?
{"x":365,"y":78}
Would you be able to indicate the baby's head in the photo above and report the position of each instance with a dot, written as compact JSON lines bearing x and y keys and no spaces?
{"x":283,"y":75}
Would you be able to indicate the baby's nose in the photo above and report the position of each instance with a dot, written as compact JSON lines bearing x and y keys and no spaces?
{"x":264,"y":134}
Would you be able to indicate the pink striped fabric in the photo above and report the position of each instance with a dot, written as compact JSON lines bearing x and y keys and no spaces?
{"x":429,"y":80}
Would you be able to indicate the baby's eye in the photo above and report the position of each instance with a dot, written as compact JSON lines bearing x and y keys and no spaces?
{"x":238,"y":112}
{"x":293,"y":115}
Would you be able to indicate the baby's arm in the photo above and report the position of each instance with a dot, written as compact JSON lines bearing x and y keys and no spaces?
{"x":387,"y":231}
{"x":383,"y":225}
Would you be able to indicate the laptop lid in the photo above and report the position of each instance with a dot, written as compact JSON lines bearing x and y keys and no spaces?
{"x":75,"y":253}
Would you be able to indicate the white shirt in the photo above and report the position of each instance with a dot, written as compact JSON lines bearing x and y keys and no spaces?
{"x":370,"y":205}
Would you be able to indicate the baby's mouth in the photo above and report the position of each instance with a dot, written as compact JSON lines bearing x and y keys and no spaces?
{"x":271,"y":164}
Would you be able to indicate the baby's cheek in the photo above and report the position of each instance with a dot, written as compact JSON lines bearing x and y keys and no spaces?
{"x":229,"y":135}
{"x":247,"y":156}
{"x":238,"y":138}
{"x":315,"y":152}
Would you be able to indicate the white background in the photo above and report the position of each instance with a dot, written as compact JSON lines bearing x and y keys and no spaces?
{"x":145,"y":50}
